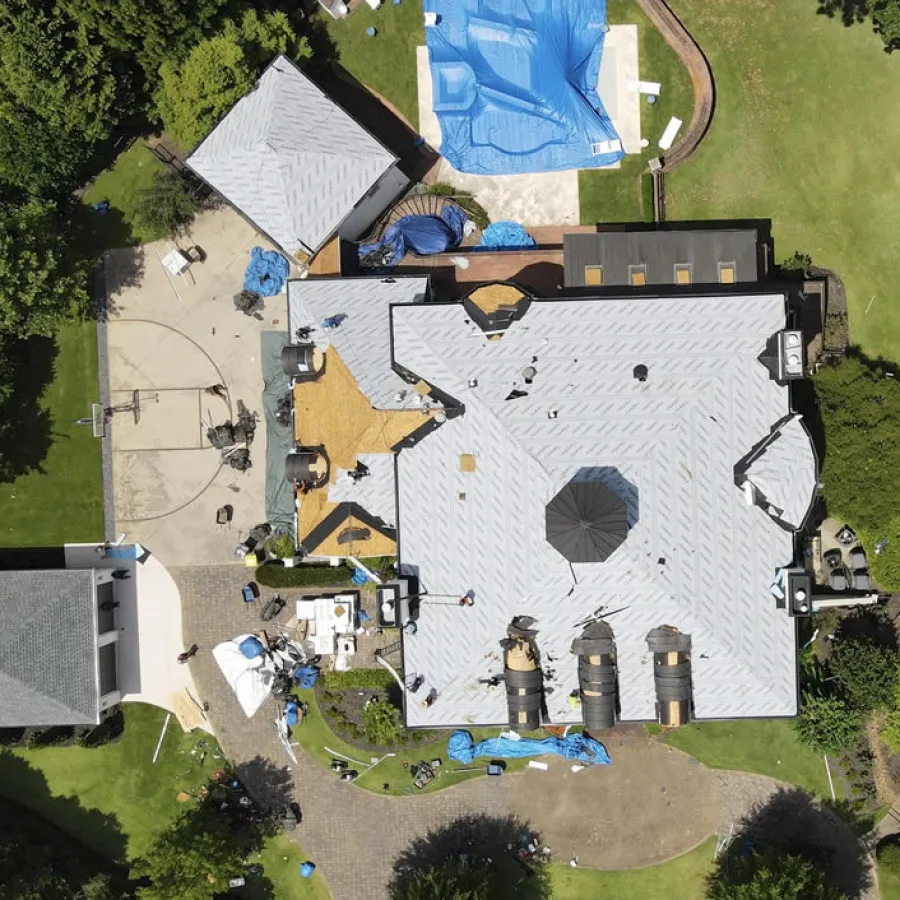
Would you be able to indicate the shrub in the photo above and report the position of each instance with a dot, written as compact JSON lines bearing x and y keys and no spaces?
{"x":377,"y":679}
{"x":465,"y":201}
{"x":888,"y":854}
{"x":109,"y":730}
{"x":276,"y":576}
{"x":283,"y":546}
{"x":827,"y":724}
{"x":867,"y":672}
{"x":891,"y":731}
{"x":167,"y":206}
{"x":381,"y":722}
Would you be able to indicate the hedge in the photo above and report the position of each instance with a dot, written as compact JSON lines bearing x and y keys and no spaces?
{"x":357,"y":678}
{"x":275,"y":576}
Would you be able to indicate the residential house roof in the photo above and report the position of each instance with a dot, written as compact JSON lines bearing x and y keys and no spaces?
{"x":290,"y":159}
{"x":49,"y":671}
{"x":697,"y":556}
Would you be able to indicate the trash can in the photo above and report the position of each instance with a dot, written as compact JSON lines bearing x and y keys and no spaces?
{"x":306,"y":869}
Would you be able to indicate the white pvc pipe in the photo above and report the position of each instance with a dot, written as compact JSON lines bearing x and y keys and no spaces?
{"x":161,"y":736}
{"x":383,"y":662}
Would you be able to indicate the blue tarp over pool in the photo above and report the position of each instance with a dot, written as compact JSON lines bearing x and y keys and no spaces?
{"x":515,"y":85}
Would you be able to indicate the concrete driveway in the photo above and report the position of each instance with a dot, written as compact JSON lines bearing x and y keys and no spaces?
{"x":169,"y":338}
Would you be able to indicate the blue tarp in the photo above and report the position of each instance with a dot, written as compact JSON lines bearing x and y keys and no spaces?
{"x":267,"y":272}
{"x":422,"y":235}
{"x":125,"y":551}
{"x":575,"y":746}
{"x":306,"y":677}
{"x":506,"y":236}
{"x":250,"y":647}
{"x":515,"y":84}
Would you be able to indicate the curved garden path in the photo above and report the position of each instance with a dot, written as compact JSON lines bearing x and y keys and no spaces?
{"x":653,"y":803}
{"x":680,"y":40}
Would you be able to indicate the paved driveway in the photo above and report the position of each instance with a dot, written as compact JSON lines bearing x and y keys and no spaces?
{"x":651,"y":804}
{"x":169,"y":338}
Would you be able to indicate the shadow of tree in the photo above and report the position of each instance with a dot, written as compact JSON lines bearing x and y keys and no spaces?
{"x":26,"y":428}
{"x":792,"y":821}
{"x":26,"y":786}
{"x":851,"y":12}
{"x":270,"y":785}
{"x":121,"y":269}
{"x":872,"y":623}
{"x":479,"y":851}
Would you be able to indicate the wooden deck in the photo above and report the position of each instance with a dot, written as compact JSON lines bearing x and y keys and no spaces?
{"x":333,"y":413}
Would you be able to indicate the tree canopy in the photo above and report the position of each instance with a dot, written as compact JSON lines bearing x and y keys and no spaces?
{"x":768,"y":873}
{"x":866,"y":670}
{"x":884,"y":15}
{"x":39,"y":285}
{"x":196,"y":92}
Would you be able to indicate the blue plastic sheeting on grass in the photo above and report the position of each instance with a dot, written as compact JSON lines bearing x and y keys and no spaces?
{"x":306,"y":677}
{"x":267,"y":272}
{"x":575,"y":746}
{"x":506,"y":236}
{"x":515,"y":85}
{"x":422,"y":235}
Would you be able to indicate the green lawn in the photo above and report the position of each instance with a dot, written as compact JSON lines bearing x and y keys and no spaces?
{"x":121,"y":185}
{"x":680,"y":879}
{"x":615,"y":195}
{"x":766,"y":746}
{"x":387,"y":62}
{"x":62,"y":499}
{"x":888,"y":884}
{"x":804,"y":134}
{"x":113,"y":799}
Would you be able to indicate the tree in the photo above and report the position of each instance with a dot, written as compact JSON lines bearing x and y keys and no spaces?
{"x":381,"y":722}
{"x":888,"y":854}
{"x":827,"y":724}
{"x":38,"y":285}
{"x":167,"y":205}
{"x":451,"y":880}
{"x":768,"y":873}
{"x":56,"y":70}
{"x":886,"y":23}
{"x":193,"y":859}
{"x":867,"y":672}
{"x":194,"y":94}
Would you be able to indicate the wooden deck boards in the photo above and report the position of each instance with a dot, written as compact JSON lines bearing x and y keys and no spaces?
{"x":333,"y":413}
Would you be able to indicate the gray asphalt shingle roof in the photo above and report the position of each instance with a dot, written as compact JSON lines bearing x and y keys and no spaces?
{"x":697,"y":556}
{"x":291,"y":159}
{"x":48,"y":648}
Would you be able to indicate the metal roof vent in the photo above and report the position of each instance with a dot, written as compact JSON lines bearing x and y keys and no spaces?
{"x":790,"y":355}
{"x":528,"y":374}
{"x":641,"y":372}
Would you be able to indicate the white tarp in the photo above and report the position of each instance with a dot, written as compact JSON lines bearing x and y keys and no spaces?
{"x":250,"y":679}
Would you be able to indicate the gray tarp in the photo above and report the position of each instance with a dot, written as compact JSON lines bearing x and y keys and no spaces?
{"x":279,"y":439}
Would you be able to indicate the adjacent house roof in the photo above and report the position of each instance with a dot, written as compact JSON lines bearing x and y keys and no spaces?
{"x":697,"y":556}
{"x":49,"y":671}
{"x":290,"y":159}
{"x":702,"y":251}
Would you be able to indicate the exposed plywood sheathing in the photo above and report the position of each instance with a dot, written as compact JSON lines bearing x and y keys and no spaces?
{"x":328,"y":260}
{"x":493,"y":297}
{"x":332,"y":412}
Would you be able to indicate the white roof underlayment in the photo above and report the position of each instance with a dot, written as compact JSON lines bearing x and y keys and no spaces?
{"x":697,"y":556}
{"x":363,"y":338}
{"x":290,"y":159}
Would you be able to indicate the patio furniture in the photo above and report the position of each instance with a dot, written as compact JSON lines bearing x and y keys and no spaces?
{"x":858,"y":558}
{"x":832,"y":558}
{"x":176,"y":263}
{"x":249,"y":593}
{"x":837,"y":581}
{"x":861,"y":580}
{"x":846,"y":537}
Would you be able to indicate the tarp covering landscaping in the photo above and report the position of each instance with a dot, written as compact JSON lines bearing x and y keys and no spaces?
{"x":421,"y":235}
{"x":267,"y":272}
{"x":577,"y":747}
{"x":515,"y":85}
{"x":505,"y":236}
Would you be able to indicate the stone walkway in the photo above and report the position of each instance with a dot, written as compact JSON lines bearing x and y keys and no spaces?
{"x":652,"y":804}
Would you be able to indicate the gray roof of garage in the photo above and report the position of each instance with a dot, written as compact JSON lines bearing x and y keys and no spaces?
{"x":697,"y":556}
{"x":660,"y":251}
{"x":49,"y":671}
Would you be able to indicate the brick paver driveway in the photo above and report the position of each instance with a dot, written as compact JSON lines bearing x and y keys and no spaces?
{"x":653,"y":803}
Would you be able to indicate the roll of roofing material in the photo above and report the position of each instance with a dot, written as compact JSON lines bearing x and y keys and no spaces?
{"x":672,"y":674}
{"x":596,"y":652}
{"x":524,"y":680}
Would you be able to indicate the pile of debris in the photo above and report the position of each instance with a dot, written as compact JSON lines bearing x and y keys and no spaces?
{"x":250,"y":303}
{"x":228,"y":437}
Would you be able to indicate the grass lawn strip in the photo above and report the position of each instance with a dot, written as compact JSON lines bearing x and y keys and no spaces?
{"x":681,"y":879}
{"x":62,"y":501}
{"x":888,"y":884}
{"x":788,"y":80}
{"x":121,"y":781}
{"x":765,"y":746}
